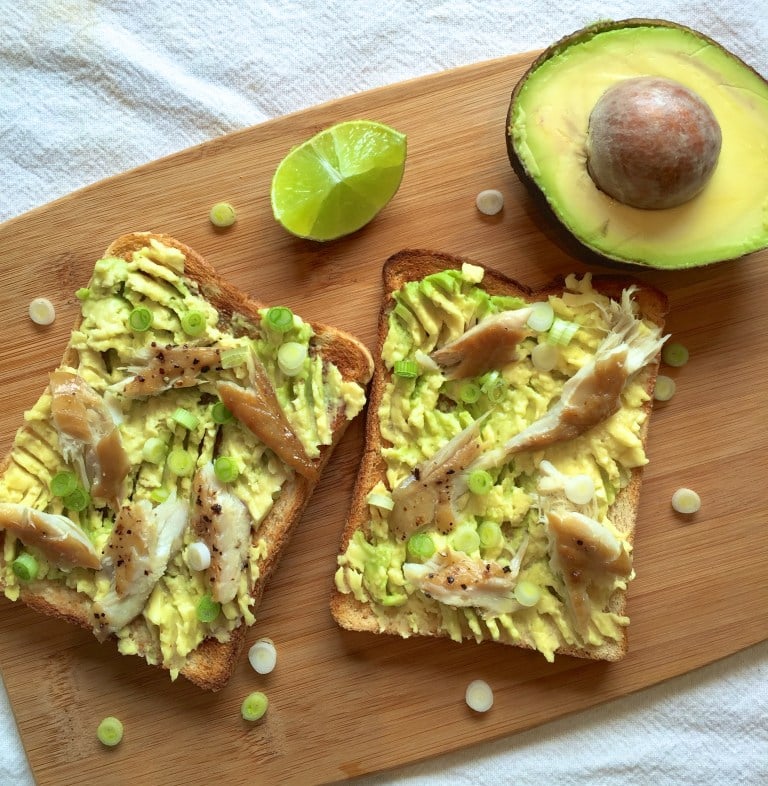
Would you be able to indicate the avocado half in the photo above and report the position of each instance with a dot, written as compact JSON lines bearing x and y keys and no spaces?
{"x":546,"y":134}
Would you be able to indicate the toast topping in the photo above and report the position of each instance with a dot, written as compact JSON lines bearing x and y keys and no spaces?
{"x":169,"y":373}
{"x":492,"y":517}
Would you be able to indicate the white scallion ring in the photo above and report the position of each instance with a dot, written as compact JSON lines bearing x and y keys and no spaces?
{"x":41,"y":311}
{"x":479,"y":696}
{"x":263,"y":656}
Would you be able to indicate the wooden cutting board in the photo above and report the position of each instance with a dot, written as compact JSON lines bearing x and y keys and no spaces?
{"x":344,"y":704}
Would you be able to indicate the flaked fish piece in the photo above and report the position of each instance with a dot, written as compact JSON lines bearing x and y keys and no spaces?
{"x":143,"y":541}
{"x":258,"y":409}
{"x":593,"y":393}
{"x":222,"y":521}
{"x":61,"y":540}
{"x":88,"y":436}
{"x":168,"y":367}
{"x":456,"y":579}
{"x":430,"y":492}
{"x":490,"y":344}
{"x":584,"y":552}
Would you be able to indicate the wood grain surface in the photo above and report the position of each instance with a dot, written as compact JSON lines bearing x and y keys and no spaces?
{"x":344,"y":704}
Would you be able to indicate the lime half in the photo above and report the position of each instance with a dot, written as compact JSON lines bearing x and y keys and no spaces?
{"x":337,"y":181}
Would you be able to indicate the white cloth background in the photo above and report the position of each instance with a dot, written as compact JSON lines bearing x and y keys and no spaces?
{"x":90,"y":88}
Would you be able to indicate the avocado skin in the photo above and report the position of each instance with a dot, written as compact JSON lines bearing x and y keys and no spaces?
{"x":552,"y":225}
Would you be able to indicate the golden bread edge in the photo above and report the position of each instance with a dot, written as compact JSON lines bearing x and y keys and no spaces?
{"x":212,"y":663}
{"x":412,"y":265}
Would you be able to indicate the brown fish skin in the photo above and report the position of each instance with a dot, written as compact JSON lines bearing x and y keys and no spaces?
{"x":221,"y":520}
{"x":63,"y":542}
{"x":584,"y":552}
{"x":143,"y":541}
{"x":88,"y":435}
{"x":490,"y":344}
{"x":258,"y":409}
{"x":169,"y":367}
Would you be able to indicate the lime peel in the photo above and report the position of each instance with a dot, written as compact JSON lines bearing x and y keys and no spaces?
{"x":338,"y":180}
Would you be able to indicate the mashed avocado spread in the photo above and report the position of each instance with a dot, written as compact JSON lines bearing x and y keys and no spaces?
{"x":147,"y":361}
{"x":475,"y":532}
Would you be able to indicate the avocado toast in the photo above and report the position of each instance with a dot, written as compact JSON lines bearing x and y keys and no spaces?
{"x":152,"y":487}
{"x":505,"y":441}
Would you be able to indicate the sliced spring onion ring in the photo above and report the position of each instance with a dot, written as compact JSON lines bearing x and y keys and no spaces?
{"x":480,"y":481}
{"x":236,"y":356}
{"x":686,"y":500}
{"x":220,"y":414}
{"x":159,"y":495}
{"x":579,"y":489}
{"x":222,"y":214}
{"x":544,"y":357}
{"x":469,"y":392}
{"x":479,"y":696}
{"x":407,"y":369}
{"x":77,"y":500}
{"x":226,"y":469}
{"x":466,"y":540}
{"x":664,"y":388}
{"x":489,"y":202}
{"x":63,"y":483}
{"x":542,"y":316}
{"x":83,"y":293}
{"x":420,"y":546}
{"x":193,"y":322}
{"x":41,"y":311}
{"x":527,"y":593}
{"x":291,"y":357}
{"x":494,"y":386}
{"x":198,"y":556}
{"x":263,"y":656}
{"x":25,"y":567}
{"x":674,"y":354}
{"x":110,"y":731}
{"x":207,"y":609}
{"x":279,"y":319}
{"x":180,"y":462}
{"x":154,"y":450}
{"x":383,"y":501}
{"x":185,"y":418}
{"x":140,"y":319}
{"x":490,"y":535}
{"x":562,"y":331}
{"x":254,"y":706}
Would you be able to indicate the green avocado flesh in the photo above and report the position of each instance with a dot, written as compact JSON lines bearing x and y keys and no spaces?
{"x":547,"y":129}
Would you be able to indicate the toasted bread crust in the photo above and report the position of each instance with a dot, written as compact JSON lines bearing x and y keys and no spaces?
{"x":415,"y":264}
{"x":212,"y":663}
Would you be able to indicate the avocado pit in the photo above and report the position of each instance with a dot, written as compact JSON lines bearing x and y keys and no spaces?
{"x":652,"y":143}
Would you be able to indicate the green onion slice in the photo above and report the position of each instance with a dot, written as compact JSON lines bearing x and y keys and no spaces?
{"x":466,"y":540}
{"x":291,"y":357}
{"x":154,"y":450}
{"x":208,"y":609}
{"x":159,"y":495}
{"x":236,"y":356}
{"x":279,"y":319}
{"x":83,"y":293}
{"x":180,"y":462}
{"x":542,"y":316}
{"x":254,"y":706}
{"x":494,"y":386}
{"x":140,"y":319}
{"x":63,"y":483}
{"x":110,"y":731}
{"x":25,"y":567}
{"x":383,"y":501}
{"x":222,"y":214}
{"x":490,"y":535}
{"x":407,"y":369}
{"x":220,"y":413}
{"x":193,"y":322}
{"x":527,"y":593}
{"x":420,"y":546}
{"x":664,"y":388}
{"x":185,"y":418}
{"x":562,"y":331}
{"x":226,"y":469}
{"x":77,"y":500}
{"x":480,"y":481}
{"x":674,"y":354}
{"x":469,"y":392}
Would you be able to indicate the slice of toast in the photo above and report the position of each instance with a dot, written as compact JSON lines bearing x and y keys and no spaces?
{"x":506,"y":560}
{"x":127,"y":396}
